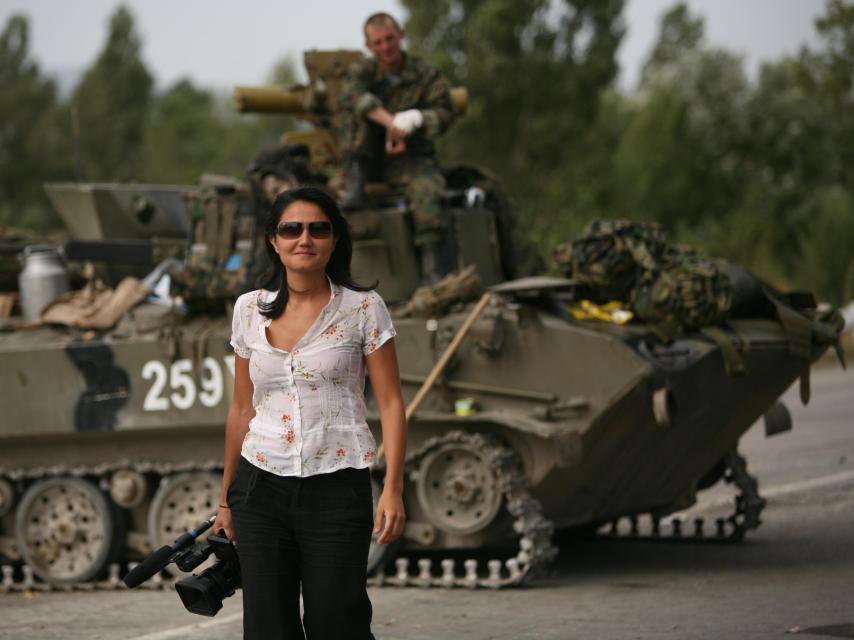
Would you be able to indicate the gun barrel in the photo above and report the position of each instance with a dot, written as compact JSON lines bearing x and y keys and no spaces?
{"x":274,"y":99}
{"x":460,"y":98}
{"x":270,"y":99}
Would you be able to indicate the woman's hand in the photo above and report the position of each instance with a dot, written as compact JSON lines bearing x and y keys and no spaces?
{"x":385,"y":381}
{"x":223,"y":521}
{"x":390,"y":518}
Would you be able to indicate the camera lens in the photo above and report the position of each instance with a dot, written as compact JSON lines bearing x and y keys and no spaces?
{"x":203,"y":594}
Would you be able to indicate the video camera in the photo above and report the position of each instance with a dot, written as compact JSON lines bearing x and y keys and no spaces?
{"x":201,"y":594}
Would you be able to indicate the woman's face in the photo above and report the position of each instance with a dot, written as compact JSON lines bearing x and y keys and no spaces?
{"x":304,"y":250}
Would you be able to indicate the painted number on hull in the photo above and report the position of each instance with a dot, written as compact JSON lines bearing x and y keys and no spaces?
{"x":175,"y":386}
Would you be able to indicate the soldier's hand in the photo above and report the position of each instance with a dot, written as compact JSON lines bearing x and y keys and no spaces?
{"x":395,"y":140}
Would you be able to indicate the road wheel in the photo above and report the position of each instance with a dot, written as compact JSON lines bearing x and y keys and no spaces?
{"x":66,"y":530}
{"x":458,"y":488}
{"x":181,"y":502}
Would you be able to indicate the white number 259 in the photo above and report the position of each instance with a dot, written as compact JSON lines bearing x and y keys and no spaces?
{"x":179,"y":377}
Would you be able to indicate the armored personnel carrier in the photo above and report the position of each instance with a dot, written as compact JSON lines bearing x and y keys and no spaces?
{"x":524,"y":417}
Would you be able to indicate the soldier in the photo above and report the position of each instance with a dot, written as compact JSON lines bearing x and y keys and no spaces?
{"x":390,"y":109}
{"x":277,"y":169}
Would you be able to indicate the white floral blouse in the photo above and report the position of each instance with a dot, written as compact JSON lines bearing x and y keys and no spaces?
{"x":310,"y":414}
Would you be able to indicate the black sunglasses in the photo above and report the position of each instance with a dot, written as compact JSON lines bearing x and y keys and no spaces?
{"x":318,"y":230}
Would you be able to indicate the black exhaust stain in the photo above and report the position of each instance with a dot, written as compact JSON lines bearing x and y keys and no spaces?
{"x":107,"y":386}
{"x":833,"y":631}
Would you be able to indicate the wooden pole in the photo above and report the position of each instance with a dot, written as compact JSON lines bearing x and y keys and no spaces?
{"x":439,"y":367}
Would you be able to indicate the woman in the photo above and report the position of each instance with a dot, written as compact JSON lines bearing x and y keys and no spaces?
{"x":296,"y":494}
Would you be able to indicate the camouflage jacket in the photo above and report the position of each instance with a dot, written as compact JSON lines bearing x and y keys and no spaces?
{"x":419,"y":86}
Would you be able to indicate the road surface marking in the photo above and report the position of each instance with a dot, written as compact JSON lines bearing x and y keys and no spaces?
{"x":183,"y":632}
{"x":777,"y":491}
{"x":805,"y":485}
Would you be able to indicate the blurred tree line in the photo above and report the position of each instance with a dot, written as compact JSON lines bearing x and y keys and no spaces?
{"x":759,"y":171}
{"x":113,"y":126}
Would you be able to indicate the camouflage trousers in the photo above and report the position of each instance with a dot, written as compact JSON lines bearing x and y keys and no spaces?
{"x":422,"y":184}
{"x":415,"y":173}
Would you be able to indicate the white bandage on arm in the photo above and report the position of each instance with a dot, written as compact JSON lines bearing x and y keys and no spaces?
{"x":408,"y":121}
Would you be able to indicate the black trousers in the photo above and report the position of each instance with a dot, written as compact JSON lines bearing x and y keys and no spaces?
{"x":308,"y":533}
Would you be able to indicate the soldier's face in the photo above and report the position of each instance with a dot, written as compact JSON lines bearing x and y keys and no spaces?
{"x":272,"y":186}
{"x":383,"y":40}
{"x":304,"y":253}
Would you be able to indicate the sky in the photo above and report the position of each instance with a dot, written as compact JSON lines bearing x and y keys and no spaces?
{"x":220,"y":43}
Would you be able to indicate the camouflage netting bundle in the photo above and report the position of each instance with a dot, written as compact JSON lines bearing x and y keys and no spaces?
{"x":610,"y":255}
{"x":454,"y":288}
{"x":668,"y":285}
{"x":686,"y":291}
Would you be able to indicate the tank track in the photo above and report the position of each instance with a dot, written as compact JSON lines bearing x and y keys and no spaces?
{"x":102,"y":469}
{"x":745,"y":517}
{"x":20,"y":577}
{"x":536,"y":551}
{"x":535,"y":532}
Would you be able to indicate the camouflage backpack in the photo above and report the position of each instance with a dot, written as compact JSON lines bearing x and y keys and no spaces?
{"x":611,"y":255}
{"x":673,"y":287}
{"x":686,"y":291}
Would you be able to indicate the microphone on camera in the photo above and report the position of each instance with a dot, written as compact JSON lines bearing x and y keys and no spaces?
{"x":163,"y":556}
{"x":148,"y":567}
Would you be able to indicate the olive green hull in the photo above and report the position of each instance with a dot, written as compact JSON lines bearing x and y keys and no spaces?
{"x":605,"y":454}
{"x":575,"y":401}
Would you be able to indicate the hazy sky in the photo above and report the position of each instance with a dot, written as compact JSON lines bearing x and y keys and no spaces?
{"x":222,"y":43}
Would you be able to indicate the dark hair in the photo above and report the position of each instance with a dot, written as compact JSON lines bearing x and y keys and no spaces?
{"x":338,"y":267}
{"x":381,"y":18}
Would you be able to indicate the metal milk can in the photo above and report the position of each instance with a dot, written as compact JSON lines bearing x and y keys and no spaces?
{"x":42,"y":280}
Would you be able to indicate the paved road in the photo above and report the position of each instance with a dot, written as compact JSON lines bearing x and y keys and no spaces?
{"x":795,"y":574}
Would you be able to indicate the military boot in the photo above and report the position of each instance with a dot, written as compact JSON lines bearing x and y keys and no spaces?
{"x":354,"y":185}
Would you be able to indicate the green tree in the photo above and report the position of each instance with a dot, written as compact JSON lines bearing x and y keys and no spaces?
{"x":799,"y":162}
{"x":681,"y":160}
{"x":788,"y":161}
{"x":820,"y":159}
{"x":284,"y":71}
{"x":761,"y":173}
{"x":679,"y":34}
{"x":537,"y":73}
{"x":27,"y":103}
{"x":112,"y":101}
{"x":829,"y":76}
{"x":190,"y":131}
{"x":183,"y":135}
{"x":827,"y":247}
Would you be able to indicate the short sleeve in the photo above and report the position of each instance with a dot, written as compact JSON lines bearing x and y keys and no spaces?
{"x":238,"y":328}
{"x":376,"y":327}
